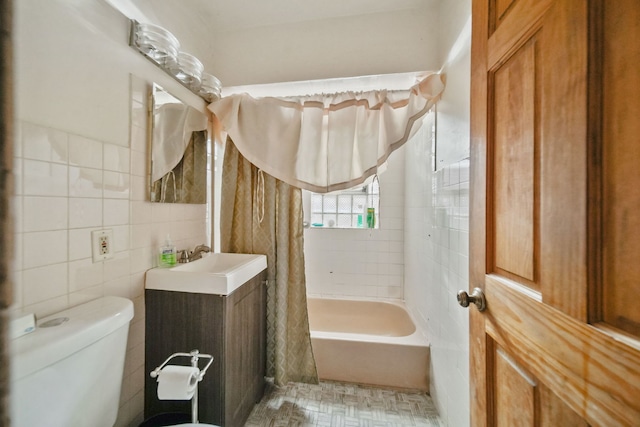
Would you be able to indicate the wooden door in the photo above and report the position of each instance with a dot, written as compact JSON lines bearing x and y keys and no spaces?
{"x":555,"y":213}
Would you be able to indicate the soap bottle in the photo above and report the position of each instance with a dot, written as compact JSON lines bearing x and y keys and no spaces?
{"x":371,"y":217}
{"x":168,"y":254}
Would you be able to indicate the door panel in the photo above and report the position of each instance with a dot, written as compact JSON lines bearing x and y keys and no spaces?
{"x":506,"y":34}
{"x":621,"y":126}
{"x":555,"y":212}
{"x":554,"y":412}
{"x":595,"y":374}
{"x":562,"y":72}
{"x":514,"y":392}
{"x":519,"y":399}
{"x":514,"y":177}
{"x":499,"y":10}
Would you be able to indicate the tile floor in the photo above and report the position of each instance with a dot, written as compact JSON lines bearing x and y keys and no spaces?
{"x":333,"y":404}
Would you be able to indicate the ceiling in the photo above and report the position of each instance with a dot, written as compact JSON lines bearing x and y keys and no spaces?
{"x":232,"y":15}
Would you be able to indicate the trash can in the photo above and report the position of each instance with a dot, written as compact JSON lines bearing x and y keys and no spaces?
{"x":166,"y":419}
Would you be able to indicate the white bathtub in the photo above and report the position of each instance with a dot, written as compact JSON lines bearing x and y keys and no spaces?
{"x":368,"y":342}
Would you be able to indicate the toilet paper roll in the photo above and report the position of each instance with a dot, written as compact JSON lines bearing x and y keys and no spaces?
{"x":177,"y":382}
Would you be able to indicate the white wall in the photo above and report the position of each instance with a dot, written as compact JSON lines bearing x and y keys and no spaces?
{"x":362,"y":263}
{"x":437,"y":227}
{"x":246,"y":47}
{"x":80,"y":165}
{"x":436,"y":259}
{"x":377,"y":43}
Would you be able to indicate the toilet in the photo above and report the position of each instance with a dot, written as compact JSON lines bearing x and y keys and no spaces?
{"x":68,"y":372}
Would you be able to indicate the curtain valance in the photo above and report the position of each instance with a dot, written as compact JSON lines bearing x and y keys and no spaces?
{"x":325,"y":142}
{"x":174,"y":124}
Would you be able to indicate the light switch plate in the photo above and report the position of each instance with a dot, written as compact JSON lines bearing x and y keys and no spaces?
{"x":102,"y":244}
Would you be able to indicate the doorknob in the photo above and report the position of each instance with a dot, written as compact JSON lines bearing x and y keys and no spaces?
{"x":476,"y":297}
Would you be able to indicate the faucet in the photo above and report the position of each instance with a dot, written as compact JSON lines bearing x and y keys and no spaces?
{"x":196,"y":253}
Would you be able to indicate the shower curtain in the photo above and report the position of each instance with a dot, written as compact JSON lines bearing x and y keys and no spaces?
{"x":263,"y":215}
{"x":187,"y":181}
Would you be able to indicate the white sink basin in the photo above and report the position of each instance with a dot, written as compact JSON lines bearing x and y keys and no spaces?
{"x":215,"y":273}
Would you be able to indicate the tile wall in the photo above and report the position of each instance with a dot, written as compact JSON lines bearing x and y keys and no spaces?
{"x":421,"y":257}
{"x":437,"y":266}
{"x":362,"y":263}
{"x":67,"y":186}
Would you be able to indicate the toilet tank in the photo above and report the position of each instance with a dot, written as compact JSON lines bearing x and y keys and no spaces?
{"x":69,"y":372}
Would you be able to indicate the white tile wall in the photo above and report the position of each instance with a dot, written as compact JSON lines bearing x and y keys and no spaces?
{"x":362,"y":263}
{"x":67,"y":186}
{"x":420,"y":254}
{"x":436,"y":259}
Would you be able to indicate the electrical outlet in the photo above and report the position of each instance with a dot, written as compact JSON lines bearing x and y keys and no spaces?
{"x":102,"y":244}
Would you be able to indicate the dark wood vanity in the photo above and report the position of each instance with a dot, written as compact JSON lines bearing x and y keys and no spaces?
{"x":231,"y":328}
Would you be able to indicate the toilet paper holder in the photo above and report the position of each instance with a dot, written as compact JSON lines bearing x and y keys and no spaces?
{"x":195,"y":356}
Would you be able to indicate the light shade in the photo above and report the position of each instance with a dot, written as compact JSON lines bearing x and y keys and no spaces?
{"x":210,"y":87}
{"x":188,"y":70}
{"x":156,"y":43}
{"x":163,"y":48}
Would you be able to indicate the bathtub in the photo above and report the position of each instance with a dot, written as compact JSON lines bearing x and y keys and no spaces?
{"x":368,"y":342}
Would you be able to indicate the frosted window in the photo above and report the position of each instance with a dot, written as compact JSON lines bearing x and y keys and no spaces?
{"x":346,"y":208}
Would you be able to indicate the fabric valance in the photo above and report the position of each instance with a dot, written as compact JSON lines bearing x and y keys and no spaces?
{"x":325,"y":142}
{"x":174,"y":124}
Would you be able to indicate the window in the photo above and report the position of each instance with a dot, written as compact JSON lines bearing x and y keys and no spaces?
{"x":347,"y":208}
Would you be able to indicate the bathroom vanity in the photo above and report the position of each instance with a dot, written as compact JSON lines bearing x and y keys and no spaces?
{"x":226,"y":320}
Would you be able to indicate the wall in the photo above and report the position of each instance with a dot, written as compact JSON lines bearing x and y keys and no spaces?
{"x":436,"y":257}
{"x":377,"y":43}
{"x":246,"y":47}
{"x":80,"y":161}
{"x":437,"y":226}
{"x":81,"y":165}
{"x":362,"y":263}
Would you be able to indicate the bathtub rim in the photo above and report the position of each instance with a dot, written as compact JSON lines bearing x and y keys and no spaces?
{"x":416,"y":339}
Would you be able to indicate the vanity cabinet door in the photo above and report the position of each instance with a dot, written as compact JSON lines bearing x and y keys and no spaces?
{"x":180,"y":322}
{"x":245,"y":351}
{"x":231,"y":328}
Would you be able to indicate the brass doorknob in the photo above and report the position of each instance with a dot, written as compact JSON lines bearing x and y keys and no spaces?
{"x":476,"y":297}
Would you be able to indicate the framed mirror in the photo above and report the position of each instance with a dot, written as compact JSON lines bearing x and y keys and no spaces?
{"x":179,"y":147}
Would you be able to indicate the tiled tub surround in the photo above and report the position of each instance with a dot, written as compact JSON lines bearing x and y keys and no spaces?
{"x":368,"y":342}
{"x":68,"y":186}
{"x":436,"y":251}
{"x":362,"y":263}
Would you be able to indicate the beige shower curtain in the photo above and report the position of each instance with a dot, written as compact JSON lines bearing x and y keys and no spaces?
{"x":187,"y":182}
{"x":263,"y":215}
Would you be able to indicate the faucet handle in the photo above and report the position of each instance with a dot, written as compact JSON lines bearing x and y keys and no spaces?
{"x":184,"y":256}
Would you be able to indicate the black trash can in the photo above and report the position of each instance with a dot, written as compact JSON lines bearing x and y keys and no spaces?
{"x":167,"y":419}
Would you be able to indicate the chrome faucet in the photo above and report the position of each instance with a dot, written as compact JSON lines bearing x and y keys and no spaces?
{"x":196,"y":253}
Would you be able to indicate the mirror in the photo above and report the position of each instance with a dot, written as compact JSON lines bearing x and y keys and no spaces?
{"x":179,"y":147}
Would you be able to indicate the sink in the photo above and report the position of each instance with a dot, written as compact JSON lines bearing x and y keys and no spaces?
{"x":214,"y":273}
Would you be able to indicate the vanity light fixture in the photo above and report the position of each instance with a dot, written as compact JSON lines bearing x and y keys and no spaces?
{"x":163,"y":49}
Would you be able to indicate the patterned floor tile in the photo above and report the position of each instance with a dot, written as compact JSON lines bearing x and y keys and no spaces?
{"x":333,"y":404}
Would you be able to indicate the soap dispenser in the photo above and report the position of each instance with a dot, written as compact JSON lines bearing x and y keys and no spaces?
{"x":168,"y":254}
